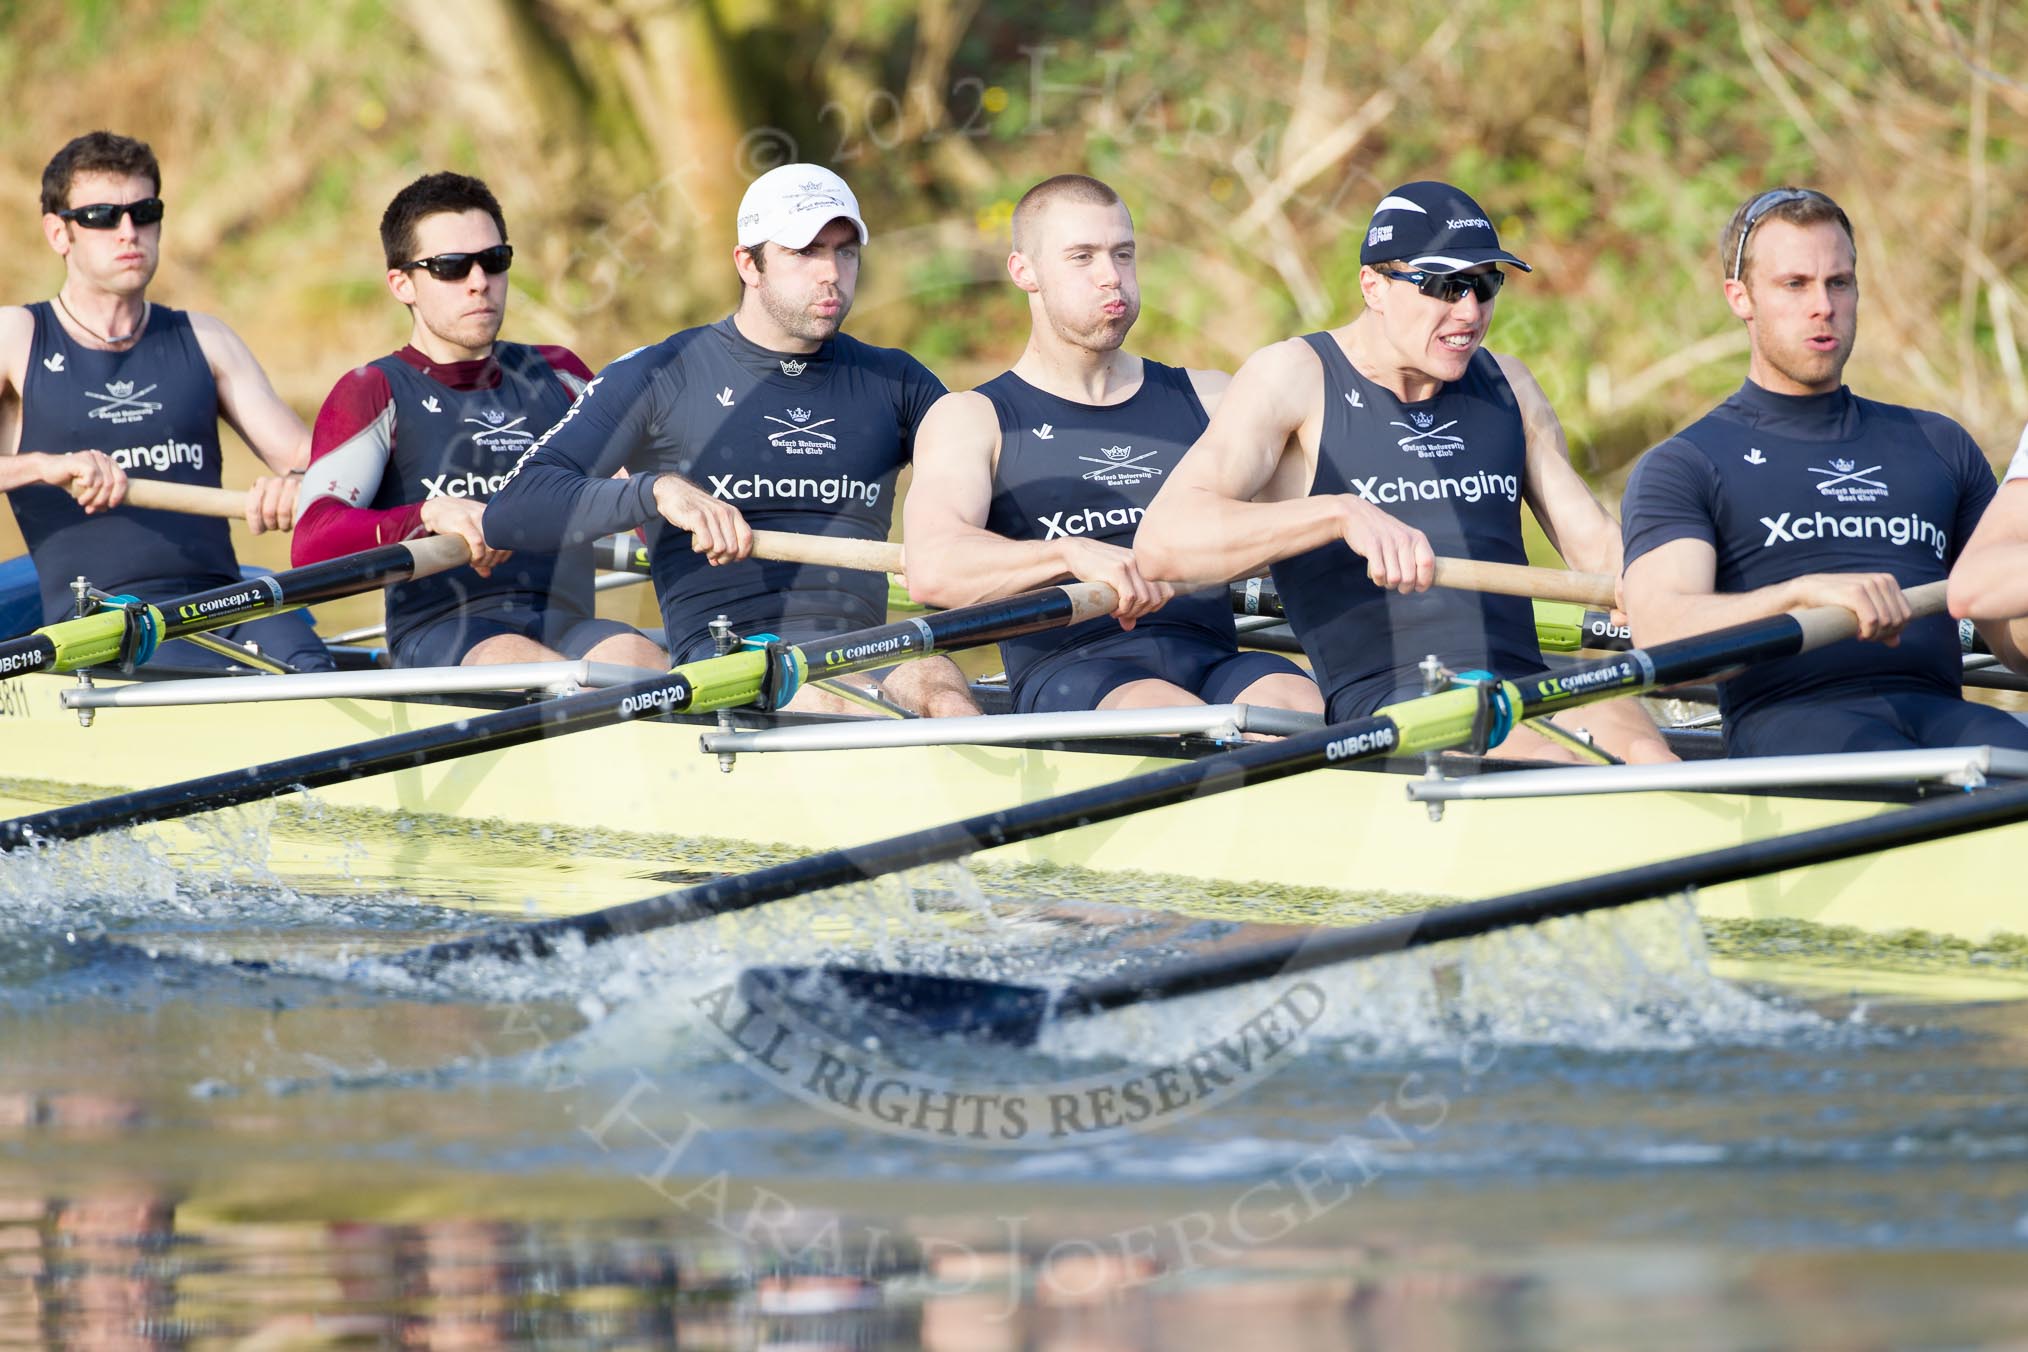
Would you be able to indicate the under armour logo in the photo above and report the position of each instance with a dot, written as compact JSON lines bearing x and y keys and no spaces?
{"x":432,"y":405}
{"x":1352,"y":398}
{"x":1754,"y":457}
{"x":54,"y":361}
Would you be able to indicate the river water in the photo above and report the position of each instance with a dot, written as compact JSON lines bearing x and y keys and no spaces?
{"x":227,"y":1120}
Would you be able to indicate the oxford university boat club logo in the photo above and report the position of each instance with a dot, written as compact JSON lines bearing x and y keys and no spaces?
{"x":792,"y":367}
{"x":498,"y":433}
{"x":801,"y":432}
{"x":120,"y":403}
{"x":1425,"y":439}
{"x":1119,"y":467}
{"x":1844,"y":481}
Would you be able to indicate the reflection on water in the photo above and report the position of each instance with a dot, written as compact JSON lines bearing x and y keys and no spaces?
{"x":1578,"y":1136}
{"x":130,"y":1270}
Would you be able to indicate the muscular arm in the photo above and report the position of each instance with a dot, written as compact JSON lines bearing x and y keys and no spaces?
{"x":1240,"y":499}
{"x":953,"y":560}
{"x":248,"y":402}
{"x":349,"y":452}
{"x":1989,"y":583}
{"x":1581,"y":530}
{"x":89,"y":476}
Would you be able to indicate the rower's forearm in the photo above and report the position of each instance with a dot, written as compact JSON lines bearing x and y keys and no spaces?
{"x":1990,"y":582}
{"x":1680,"y":615}
{"x":20,"y":470}
{"x":328,"y":529}
{"x":1196,"y":539}
{"x":546,"y":507}
{"x":963,"y":569}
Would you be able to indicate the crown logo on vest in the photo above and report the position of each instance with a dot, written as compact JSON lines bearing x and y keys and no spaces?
{"x":1118,"y":466}
{"x":1423,"y":421}
{"x":794,"y":368}
{"x":801,"y":432}
{"x":1846,"y":482}
{"x":122,"y":403}
{"x":494,"y":416}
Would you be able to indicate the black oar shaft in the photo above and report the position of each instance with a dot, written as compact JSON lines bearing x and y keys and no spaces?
{"x":321,"y":769}
{"x":1209,"y":775}
{"x":1435,"y":721}
{"x":307,"y":585}
{"x":711,"y":684}
{"x":1914,"y":825}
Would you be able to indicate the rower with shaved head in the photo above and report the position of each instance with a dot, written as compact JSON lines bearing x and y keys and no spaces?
{"x":1043,"y":473}
{"x":1797,"y":492}
{"x":770,"y":418}
{"x":1348,"y":460}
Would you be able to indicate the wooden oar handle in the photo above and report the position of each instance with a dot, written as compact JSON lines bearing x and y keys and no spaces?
{"x":191,"y":499}
{"x":1511,"y":579}
{"x":872,"y":556}
{"x":1829,"y":624}
{"x":437,"y":554}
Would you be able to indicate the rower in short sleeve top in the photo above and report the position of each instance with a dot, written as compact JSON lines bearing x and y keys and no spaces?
{"x":1780,"y":486}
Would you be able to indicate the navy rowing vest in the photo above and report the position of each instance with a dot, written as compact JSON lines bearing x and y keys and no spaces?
{"x":464,"y":444}
{"x":1071,"y":469}
{"x":154,"y":410}
{"x":1451,"y":466}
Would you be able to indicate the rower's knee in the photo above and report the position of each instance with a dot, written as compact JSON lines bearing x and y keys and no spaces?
{"x":1146,"y":694}
{"x":1285,"y":690}
{"x":629,"y":650}
{"x":501,"y":648}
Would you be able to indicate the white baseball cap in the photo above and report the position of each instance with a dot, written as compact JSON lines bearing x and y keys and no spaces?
{"x":792,"y":203}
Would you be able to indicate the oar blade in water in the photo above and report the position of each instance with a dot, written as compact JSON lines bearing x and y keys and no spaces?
{"x":932,"y":1006}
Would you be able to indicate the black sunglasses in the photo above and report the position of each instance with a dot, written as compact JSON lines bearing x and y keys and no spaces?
{"x":106,"y":215}
{"x":455,"y":267}
{"x":1451,"y":287}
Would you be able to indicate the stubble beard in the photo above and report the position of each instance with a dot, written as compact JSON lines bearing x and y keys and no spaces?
{"x":470,"y":334}
{"x":1804,"y":367}
{"x":797,"y":321}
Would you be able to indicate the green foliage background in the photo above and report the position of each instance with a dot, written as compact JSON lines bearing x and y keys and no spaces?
{"x":1610,"y":138}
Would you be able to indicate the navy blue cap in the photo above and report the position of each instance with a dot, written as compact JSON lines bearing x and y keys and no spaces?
{"x":1433,"y":227}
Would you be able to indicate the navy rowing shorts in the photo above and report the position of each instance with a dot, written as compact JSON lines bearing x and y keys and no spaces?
{"x":444,"y":642}
{"x":1085,"y":675}
{"x":1894,"y":720}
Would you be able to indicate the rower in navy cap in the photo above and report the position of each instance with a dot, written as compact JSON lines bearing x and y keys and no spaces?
{"x":1350,"y":459}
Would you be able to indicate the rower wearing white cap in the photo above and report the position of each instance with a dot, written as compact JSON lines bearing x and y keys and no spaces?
{"x":768,"y":419}
{"x":1349,"y":460}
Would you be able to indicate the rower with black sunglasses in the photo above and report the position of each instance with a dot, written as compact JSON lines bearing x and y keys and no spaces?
{"x":416,"y":442}
{"x":1350,"y":459}
{"x":100,"y":384}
